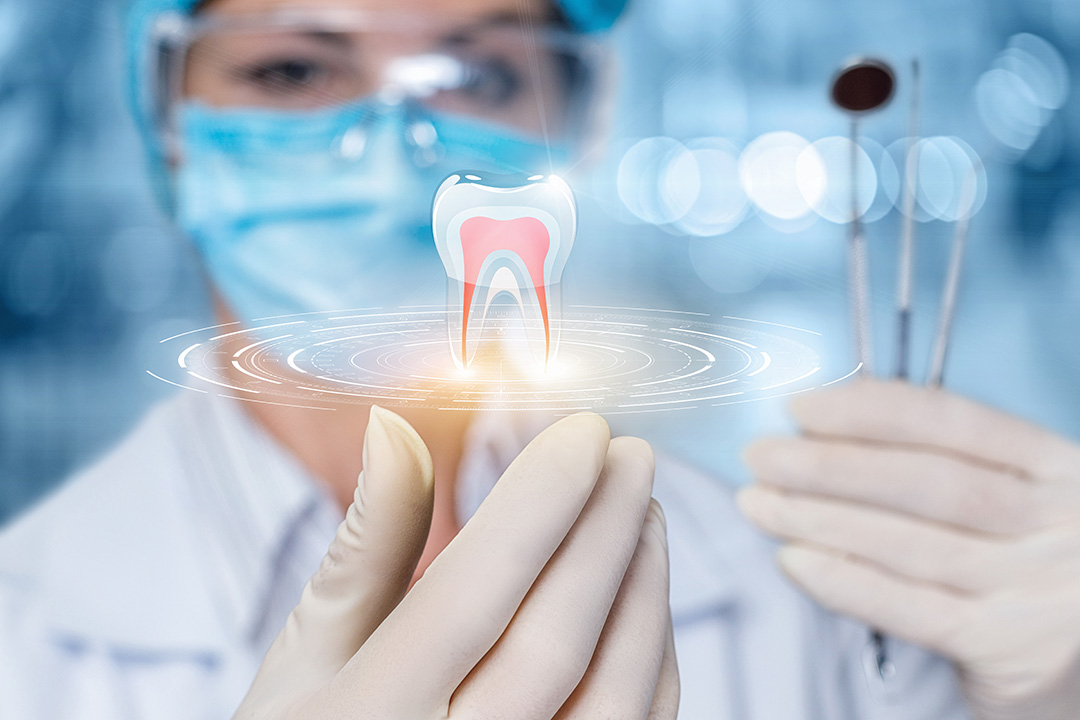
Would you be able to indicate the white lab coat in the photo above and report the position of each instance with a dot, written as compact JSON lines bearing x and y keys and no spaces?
{"x":151,"y":585}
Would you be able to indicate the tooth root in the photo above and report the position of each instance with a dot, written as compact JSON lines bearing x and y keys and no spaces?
{"x":503,"y":239}
{"x":471,"y":323}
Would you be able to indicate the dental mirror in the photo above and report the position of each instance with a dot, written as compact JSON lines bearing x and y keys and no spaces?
{"x":863,"y":85}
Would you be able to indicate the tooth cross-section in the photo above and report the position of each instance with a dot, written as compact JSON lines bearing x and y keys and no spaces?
{"x":503,"y":234}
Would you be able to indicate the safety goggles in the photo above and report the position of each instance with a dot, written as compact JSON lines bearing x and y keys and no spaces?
{"x":533,"y":79}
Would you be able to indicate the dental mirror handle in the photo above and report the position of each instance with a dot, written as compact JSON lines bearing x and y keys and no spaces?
{"x":859,"y":266}
{"x":907,"y":238}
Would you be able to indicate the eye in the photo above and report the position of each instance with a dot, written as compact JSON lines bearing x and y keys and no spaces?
{"x":491,"y":80}
{"x":286,"y":75}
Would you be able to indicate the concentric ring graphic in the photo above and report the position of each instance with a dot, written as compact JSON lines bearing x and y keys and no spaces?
{"x":609,"y":359}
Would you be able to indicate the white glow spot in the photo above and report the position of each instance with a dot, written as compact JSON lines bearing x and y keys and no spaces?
{"x":779,"y":178}
{"x":641,"y":173}
{"x":1041,"y":66}
{"x":832,"y":187}
{"x":720,"y":203}
{"x":1009,"y":108}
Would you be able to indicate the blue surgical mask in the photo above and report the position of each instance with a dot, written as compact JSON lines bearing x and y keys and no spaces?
{"x":328,"y":210}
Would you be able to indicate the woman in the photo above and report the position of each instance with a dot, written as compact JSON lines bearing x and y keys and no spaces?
{"x":299,"y":143}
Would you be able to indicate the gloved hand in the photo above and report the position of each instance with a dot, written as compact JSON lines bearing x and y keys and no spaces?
{"x":552,"y":601}
{"x":941,"y":522}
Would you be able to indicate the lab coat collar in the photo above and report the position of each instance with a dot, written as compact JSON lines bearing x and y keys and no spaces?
{"x":169,"y":543}
{"x":221,"y":488}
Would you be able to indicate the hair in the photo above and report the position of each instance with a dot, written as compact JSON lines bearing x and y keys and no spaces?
{"x":555,"y":13}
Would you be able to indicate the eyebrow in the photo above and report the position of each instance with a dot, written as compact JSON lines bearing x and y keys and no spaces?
{"x":500,"y":18}
{"x":327,"y":37}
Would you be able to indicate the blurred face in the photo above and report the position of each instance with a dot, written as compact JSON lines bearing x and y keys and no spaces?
{"x":511,"y":80}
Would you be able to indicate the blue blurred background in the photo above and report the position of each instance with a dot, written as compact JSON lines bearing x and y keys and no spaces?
{"x":720,"y":190}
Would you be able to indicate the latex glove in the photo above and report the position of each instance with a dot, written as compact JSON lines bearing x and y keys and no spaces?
{"x":551,"y":602}
{"x":941,"y":522}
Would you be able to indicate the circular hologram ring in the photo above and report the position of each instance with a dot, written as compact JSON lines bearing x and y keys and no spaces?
{"x":609,"y":359}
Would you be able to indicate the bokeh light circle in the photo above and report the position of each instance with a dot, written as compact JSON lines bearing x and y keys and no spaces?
{"x":1008,"y":108}
{"x":829,"y":193}
{"x":720,"y":203}
{"x":945,"y":166}
{"x":640,"y":179}
{"x":782,"y":175}
{"x":1040,"y":66}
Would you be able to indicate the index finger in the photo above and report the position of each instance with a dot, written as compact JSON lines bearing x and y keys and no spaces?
{"x":460,"y":607}
{"x":898,"y":413}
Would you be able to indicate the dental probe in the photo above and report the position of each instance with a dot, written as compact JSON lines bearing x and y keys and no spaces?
{"x":907,"y":237}
{"x":862,"y":86}
{"x":952,"y":279}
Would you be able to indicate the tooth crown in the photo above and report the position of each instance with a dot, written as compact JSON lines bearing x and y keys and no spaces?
{"x":503,"y":197}
{"x":490,"y":228}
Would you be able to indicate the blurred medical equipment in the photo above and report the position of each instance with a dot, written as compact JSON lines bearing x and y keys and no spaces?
{"x":952,"y":282}
{"x":905,"y":274}
{"x":862,"y":86}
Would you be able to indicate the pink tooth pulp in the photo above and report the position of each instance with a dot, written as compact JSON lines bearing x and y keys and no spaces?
{"x":525,"y":236}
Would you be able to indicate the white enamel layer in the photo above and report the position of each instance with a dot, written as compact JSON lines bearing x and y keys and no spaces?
{"x":547,"y":199}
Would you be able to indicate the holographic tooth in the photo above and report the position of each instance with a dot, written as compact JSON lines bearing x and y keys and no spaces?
{"x":501,"y":234}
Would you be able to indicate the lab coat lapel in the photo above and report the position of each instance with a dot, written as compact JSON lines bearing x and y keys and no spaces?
{"x":721,"y":568}
{"x":119,"y":565}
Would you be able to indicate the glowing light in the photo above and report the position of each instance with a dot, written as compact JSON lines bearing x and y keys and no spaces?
{"x":641,"y":171}
{"x":945,"y":164}
{"x":1041,"y":66}
{"x":782,"y":175}
{"x":719,"y":203}
{"x":1016,"y":97}
{"x":824,"y":176}
{"x":619,"y":360}
{"x":1008,"y":108}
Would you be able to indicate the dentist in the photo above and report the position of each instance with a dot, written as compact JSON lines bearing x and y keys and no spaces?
{"x":479,"y":567}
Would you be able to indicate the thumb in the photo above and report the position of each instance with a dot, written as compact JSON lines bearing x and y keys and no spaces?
{"x":367,"y":569}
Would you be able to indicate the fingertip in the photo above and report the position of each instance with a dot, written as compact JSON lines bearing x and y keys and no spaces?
{"x":757,"y":455}
{"x":850,"y":400}
{"x":636,"y":450}
{"x":584,"y":429}
{"x":806,"y":407}
{"x":749,"y":502}
{"x":777,"y":460}
{"x":591,"y":422}
{"x":388,"y":434}
{"x":798,"y":562}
